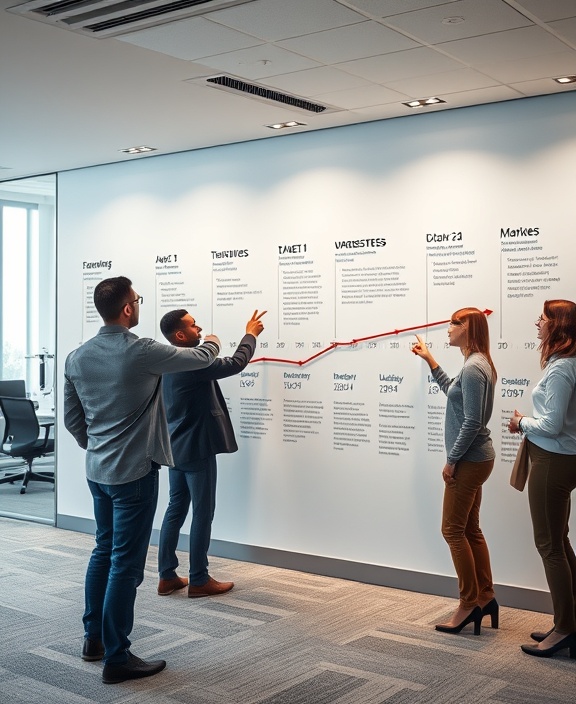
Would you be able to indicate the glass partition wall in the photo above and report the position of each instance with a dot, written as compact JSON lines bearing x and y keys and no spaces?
{"x":28,"y":328}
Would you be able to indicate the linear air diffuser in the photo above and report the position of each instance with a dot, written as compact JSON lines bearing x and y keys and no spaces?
{"x":109,"y":18}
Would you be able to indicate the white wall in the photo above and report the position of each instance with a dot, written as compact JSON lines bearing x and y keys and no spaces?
{"x":468,"y":174}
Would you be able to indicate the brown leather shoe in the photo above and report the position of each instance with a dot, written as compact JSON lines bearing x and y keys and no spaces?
{"x":211,"y":588}
{"x":168,"y":586}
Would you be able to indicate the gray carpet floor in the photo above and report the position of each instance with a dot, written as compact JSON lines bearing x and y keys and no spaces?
{"x":280,"y":637}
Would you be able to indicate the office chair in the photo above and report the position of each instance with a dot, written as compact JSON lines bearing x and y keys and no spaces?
{"x":13,"y":387}
{"x":21,"y":439}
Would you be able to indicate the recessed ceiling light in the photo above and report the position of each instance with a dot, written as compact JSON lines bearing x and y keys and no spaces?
{"x":453,"y":20}
{"x":566,"y":79}
{"x":282,"y":125}
{"x":138,"y":150}
{"x":424,"y":102}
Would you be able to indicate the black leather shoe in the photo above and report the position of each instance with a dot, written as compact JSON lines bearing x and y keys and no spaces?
{"x":93,"y":649}
{"x":132,"y":669}
{"x":474,"y":617}
{"x":568,"y":642}
{"x":539,"y":636}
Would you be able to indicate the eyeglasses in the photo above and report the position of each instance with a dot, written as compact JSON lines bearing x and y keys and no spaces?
{"x":139,"y":300}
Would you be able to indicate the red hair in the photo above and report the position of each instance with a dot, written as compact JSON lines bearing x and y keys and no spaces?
{"x":477,"y":334}
{"x":560,"y":339}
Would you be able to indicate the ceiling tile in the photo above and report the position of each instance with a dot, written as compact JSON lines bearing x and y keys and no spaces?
{"x":566,"y":28}
{"x":385,"y":112}
{"x":535,"y":67}
{"x":549,"y":10}
{"x":356,"y":41}
{"x":542,"y":87}
{"x":324,"y":120}
{"x":315,"y":81}
{"x":387,"y":8}
{"x":259,"y":62}
{"x":504,"y":46}
{"x":440,"y":83}
{"x":402,"y":64}
{"x":479,"y":18}
{"x":361,"y":97}
{"x":481,"y":96}
{"x":190,"y":39}
{"x":278,"y":19}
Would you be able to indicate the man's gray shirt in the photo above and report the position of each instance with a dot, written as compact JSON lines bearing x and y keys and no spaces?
{"x":113,"y":404}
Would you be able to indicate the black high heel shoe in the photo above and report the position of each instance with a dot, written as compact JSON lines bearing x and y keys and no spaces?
{"x":568,"y":642}
{"x":492,"y":609}
{"x":474,"y":617}
{"x":539,"y":636}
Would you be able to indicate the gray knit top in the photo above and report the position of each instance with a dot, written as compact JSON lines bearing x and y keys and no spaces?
{"x":470,"y":400}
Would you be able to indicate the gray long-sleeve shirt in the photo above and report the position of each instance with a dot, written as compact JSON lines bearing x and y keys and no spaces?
{"x":113,"y":403}
{"x":470,"y":401}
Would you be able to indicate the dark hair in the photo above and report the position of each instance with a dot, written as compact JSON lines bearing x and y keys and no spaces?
{"x":111,"y":295}
{"x":560,"y":338}
{"x":478,"y":336}
{"x":172,"y":322}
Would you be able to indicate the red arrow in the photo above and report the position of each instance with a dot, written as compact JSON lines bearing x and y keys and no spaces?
{"x":333,"y":345}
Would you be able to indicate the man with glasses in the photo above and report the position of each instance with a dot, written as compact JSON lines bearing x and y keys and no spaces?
{"x":200,"y":428}
{"x":113,"y":407}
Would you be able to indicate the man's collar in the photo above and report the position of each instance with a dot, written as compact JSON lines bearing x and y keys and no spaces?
{"x":109,"y":329}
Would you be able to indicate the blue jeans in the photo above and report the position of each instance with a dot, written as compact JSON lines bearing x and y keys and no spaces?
{"x":124,"y":515}
{"x":199,"y":488}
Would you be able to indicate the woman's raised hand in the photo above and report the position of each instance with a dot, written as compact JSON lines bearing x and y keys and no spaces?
{"x":420,"y":348}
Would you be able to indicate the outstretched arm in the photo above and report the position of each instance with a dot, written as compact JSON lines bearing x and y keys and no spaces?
{"x":229,"y":366}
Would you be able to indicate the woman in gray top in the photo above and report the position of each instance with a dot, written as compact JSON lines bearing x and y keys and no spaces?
{"x":551,"y":436}
{"x":469,"y":462}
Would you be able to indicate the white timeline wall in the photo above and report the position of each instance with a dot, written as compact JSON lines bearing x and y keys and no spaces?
{"x":357,"y":232}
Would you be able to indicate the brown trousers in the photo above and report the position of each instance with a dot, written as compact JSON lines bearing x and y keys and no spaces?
{"x":551,"y":481}
{"x":461,"y":530}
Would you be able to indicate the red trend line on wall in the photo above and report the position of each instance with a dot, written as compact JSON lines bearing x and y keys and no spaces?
{"x":334,"y":345}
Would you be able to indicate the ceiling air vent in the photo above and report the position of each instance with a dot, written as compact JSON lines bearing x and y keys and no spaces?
{"x":236,"y":85}
{"x":109,"y":18}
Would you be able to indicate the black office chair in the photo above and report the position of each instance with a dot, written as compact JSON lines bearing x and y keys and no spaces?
{"x":21,"y":439}
{"x":13,"y":388}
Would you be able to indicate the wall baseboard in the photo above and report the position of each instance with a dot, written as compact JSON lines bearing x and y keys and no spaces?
{"x":423,"y":582}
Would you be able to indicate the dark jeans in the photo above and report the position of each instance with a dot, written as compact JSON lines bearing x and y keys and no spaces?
{"x":550,"y":483}
{"x":199,"y":488}
{"x":124,"y":515}
{"x":461,"y":530}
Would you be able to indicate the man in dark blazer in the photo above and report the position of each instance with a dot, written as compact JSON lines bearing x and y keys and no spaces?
{"x":200,"y":428}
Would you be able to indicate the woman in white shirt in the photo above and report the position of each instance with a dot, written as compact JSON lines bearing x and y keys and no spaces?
{"x":551,"y":435}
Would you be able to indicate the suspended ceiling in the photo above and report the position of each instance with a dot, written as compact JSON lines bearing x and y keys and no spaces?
{"x":70,"y":100}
